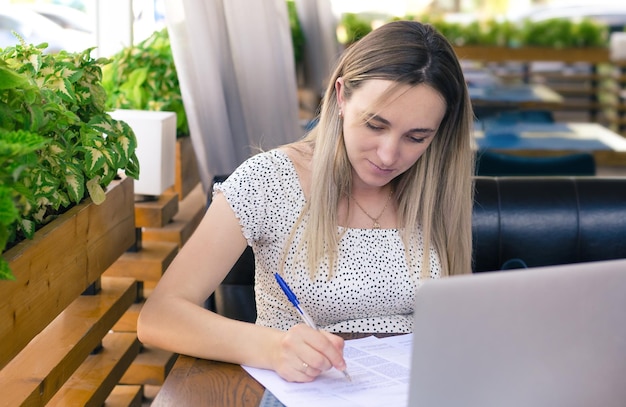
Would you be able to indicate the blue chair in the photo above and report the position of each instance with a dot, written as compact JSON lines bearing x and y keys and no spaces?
{"x":492,"y":163}
{"x":521,"y":116}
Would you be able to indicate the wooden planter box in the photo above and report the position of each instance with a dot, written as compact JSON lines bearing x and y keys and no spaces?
{"x":63,"y":259}
{"x":187,"y":176}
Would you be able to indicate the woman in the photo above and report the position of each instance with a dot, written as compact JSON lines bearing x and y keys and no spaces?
{"x":376,"y":198}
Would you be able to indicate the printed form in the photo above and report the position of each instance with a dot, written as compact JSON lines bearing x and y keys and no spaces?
{"x":379,"y":368}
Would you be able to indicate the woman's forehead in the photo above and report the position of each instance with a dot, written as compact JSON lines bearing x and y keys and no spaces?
{"x":378,"y":94}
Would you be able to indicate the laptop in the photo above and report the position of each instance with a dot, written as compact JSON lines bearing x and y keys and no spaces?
{"x":545,"y":336}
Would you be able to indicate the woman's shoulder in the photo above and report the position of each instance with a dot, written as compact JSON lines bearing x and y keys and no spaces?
{"x":263,"y":165}
{"x":299,"y":154}
{"x":266,"y":167}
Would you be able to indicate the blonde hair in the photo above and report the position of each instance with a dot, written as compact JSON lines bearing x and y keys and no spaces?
{"x":435,"y":194}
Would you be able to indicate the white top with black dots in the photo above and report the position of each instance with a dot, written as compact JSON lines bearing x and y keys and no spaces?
{"x":371,"y":289}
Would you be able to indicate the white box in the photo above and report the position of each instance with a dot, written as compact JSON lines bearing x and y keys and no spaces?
{"x":156,"y":148}
{"x":617,"y":46}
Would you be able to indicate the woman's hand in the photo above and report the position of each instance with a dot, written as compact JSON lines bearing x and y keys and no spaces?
{"x":303,"y":353}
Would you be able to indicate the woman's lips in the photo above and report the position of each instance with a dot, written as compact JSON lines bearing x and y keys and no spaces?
{"x":379,"y":169}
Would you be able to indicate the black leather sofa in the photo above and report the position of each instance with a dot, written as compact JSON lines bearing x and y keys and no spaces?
{"x":517,"y":222}
{"x":547,"y":220}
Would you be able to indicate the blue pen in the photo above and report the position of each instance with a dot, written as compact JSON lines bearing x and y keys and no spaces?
{"x":305,"y":317}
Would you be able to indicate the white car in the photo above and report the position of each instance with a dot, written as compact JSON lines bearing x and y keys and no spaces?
{"x":36,"y":29}
{"x":65,"y":16}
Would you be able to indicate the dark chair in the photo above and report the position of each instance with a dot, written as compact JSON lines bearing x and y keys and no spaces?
{"x":237,"y":288}
{"x":542,"y":221}
{"x":491,"y":163}
{"x":234,"y":298}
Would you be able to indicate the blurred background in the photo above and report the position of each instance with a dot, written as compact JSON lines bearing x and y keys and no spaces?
{"x":113,"y":24}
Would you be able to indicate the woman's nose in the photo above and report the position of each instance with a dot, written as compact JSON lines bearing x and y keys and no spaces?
{"x":388,"y":149}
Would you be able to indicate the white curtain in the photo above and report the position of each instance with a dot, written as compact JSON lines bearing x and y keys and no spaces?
{"x":322,"y":49}
{"x":236,"y":70}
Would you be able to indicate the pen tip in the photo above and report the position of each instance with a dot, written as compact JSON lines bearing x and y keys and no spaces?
{"x":345,"y":373}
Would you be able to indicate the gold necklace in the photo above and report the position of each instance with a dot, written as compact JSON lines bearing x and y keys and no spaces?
{"x":376,"y":225}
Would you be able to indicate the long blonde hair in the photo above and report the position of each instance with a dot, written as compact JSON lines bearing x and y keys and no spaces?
{"x":437,"y":192}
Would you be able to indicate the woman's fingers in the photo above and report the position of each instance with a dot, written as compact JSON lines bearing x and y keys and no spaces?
{"x":305,"y":353}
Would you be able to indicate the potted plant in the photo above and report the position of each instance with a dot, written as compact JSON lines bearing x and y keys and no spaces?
{"x":58,"y":144}
{"x":143,"y":77}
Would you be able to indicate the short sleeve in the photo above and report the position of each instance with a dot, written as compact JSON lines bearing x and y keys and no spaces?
{"x":251,"y":190}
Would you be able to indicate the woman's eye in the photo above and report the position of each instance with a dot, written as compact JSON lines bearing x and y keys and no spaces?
{"x":416,"y":139}
{"x":370,"y":125}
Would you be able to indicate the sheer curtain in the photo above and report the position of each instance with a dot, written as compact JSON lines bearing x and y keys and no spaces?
{"x":322,"y":49}
{"x":236,"y":70}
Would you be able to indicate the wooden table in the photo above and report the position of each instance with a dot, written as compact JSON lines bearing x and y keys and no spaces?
{"x":545,"y":139}
{"x":199,"y":382}
{"x":492,"y":98}
{"x":196,"y":382}
{"x":515,"y":96}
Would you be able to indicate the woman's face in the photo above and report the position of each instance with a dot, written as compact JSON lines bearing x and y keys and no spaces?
{"x":383,"y":141}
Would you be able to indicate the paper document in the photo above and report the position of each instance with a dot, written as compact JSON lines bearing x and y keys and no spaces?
{"x":380,"y":371}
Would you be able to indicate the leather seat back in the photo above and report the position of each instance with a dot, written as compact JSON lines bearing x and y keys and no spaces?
{"x":548,"y":220}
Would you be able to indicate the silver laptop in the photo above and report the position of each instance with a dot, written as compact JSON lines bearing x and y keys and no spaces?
{"x":547,"y":336}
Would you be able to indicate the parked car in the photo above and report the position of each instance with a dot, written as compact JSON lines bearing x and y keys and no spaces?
{"x":65,"y":16}
{"x":36,"y":29}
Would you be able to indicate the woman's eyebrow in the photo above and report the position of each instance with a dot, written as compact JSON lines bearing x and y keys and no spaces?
{"x":422,"y":130}
{"x":387,"y":122}
{"x":377,"y":118}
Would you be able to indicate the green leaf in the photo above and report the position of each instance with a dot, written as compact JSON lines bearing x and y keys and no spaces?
{"x":94,"y":160}
{"x":8,"y":211}
{"x":11,"y":80}
{"x":96,"y":192}
{"x":44,"y":183}
{"x":5,"y":270}
{"x":16,"y":143}
{"x":28,"y":227}
{"x":132,"y":168}
{"x":75,"y":182}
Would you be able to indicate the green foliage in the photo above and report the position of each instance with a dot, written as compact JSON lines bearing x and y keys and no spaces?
{"x":555,"y":33}
{"x":297,"y":35}
{"x":355,"y":27}
{"x":144,"y":77}
{"x":58,"y":144}
{"x":563,"y":33}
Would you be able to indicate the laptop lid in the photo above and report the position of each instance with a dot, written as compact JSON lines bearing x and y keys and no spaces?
{"x":545,"y":336}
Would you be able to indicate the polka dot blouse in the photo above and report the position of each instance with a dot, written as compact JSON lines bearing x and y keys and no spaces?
{"x":372,"y":289}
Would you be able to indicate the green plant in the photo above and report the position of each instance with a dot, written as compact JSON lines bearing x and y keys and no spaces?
{"x":355,"y":27}
{"x":144,"y":77}
{"x":58,"y":144}
{"x":297,"y":35}
{"x":563,"y":33}
{"x":555,"y":33}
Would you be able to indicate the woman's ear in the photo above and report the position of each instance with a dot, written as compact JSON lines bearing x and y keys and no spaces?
{"x":339,"y":92}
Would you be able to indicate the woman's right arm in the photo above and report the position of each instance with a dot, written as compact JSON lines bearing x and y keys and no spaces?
{"x":174,"y":317}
